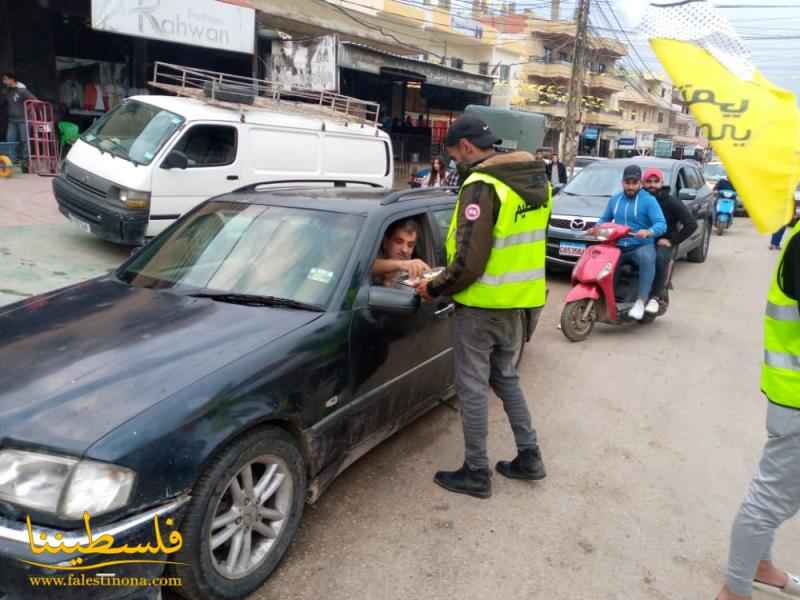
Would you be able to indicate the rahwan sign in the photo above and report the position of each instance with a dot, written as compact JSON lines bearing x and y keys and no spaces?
{"x":224,"y":25}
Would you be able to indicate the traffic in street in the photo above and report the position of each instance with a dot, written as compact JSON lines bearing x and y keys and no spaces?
{"x":650,"y":434}
{"x":342,"y":300}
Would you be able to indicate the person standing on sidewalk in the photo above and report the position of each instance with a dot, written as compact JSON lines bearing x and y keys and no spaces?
{"x":17,"y":131}
{"x":775,"y":240}
{"x":496,"y":271}
{"x":774,"y":494}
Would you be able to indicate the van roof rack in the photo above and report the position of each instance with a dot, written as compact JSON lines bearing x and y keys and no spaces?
{"x":402,"y":195}
{"x":240,"y":93}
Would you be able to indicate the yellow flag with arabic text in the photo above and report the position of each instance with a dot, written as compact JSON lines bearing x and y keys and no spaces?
{"x":752,"y":125}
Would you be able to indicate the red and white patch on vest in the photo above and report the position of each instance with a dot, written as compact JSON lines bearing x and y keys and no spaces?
{"x":472,"y":212}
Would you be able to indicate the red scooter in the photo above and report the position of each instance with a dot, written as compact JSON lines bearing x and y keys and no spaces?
{"x":599,"y":293}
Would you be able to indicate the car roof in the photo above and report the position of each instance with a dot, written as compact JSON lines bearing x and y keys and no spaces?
{"x":344,"y":200}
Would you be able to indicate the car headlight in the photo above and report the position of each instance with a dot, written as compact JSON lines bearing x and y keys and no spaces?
{"x":62,"y":485}
{"x":134,"y":198}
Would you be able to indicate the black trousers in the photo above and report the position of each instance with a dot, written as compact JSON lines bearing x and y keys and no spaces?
{"x":663,"y":257}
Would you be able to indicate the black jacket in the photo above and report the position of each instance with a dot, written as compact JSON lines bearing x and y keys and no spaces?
{"x":675,"y":212}
{"x":562,"y":172}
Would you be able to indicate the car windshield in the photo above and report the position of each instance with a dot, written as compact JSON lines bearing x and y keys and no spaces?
{"x":134,"y":131}
{"x":264,"y":251}
{"x":714,"y":172}
{"x":601,"y":180}
{"x":582,"y":162}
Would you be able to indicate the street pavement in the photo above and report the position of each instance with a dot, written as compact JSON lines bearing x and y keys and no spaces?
{"x":650,"y":435}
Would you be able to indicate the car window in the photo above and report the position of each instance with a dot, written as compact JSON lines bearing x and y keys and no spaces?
{"x":714,"y":171}
{"x":263,"y":250}
{"x":681,"y":182}
{"x":399,"y":230}
{"x":209,"y":145}
{"x":693,"y":178}
{"x":442,"y":220}
{"x":601,"y":180}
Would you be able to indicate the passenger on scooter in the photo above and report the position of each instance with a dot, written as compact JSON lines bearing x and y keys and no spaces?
{"x":724,"y":184}
{"x":675,"y":213}
{"x":637,"y":209}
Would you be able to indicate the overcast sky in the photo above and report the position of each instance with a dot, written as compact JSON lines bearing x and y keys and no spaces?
{"x":776,"y":59}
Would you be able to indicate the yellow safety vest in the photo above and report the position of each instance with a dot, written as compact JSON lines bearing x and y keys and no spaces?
{"x":780,"y":373}
{"x":515,"y":273}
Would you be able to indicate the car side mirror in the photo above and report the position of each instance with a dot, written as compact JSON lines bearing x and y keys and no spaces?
{"x":393,"y":301}
{"x":175,"y":160}
{"x":687,"y":194}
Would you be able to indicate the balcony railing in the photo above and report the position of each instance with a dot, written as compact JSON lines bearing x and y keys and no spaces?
{"x":610,"y":118}
{"x":548,"y":70}
{"x":541,"y":68}
{"x":605,"y":81}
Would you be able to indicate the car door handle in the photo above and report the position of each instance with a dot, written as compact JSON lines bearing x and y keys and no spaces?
{"x":445,"y":311}
{"x":232,"y":177}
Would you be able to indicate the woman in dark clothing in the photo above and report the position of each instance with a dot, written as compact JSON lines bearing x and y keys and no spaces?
{"x":438,"y":174}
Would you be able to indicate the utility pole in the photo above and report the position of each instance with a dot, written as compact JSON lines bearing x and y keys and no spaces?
{"x":575,"y":89}
{"x":555,"y":10}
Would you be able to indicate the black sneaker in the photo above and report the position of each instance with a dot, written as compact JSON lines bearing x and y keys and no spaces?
{"x":476,"y":483}
{"x":527,"y":465}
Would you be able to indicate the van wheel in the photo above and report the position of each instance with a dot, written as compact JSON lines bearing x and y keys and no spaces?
{"x":244,"y":513}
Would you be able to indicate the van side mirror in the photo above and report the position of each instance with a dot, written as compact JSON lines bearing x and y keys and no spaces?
{"x":175,"y":160}
{"x":687,"y":194}
{"x":393,"y":301}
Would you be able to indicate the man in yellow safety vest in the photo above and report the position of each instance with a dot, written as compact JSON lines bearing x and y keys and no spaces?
{"x":496,"y":273}
{"x":774,"y":494}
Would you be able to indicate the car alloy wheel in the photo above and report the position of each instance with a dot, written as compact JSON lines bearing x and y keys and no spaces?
{"x":244,"y":512}
{"x":250,"y":516}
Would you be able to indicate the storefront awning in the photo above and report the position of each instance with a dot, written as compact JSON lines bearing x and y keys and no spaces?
{"x":369,"y":60}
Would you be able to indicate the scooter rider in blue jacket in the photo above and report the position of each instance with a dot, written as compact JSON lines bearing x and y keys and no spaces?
{"x":640,"y":211}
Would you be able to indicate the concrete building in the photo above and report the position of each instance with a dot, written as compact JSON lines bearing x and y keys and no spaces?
{"x":542,"y":81}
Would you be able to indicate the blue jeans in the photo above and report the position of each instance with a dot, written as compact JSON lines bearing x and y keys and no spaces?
{"x":777,"y":237}
{"x":17,"y":132}
{"x":644,"y":257}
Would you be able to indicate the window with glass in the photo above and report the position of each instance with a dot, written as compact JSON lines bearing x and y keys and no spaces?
{"x":601,"y":180}
{"x":273,"y":251}
{"x":134,"y":131}
{"x":209,"y":145}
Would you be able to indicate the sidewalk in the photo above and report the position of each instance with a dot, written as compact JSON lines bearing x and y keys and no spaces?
{"x":28,"y":200}
{"x":40,"y":250}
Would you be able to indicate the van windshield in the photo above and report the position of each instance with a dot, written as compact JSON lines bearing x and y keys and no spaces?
{"x":134,"y":131}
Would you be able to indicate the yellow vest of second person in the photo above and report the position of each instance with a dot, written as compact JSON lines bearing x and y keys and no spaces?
{"x":515,"y":273}
{"x":780,"y":373}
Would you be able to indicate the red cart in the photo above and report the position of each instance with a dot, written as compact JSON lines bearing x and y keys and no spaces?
{"x":42,"y":140}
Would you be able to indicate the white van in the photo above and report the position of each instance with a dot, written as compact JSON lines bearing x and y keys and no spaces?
{"x":153,"y":158}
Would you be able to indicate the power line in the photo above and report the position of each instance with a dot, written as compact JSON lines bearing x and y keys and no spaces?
{"x":756,"y":6}
{"x":616,"y":19}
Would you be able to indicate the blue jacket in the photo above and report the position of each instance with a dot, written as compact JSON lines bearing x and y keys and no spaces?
{"x":641,"y":212}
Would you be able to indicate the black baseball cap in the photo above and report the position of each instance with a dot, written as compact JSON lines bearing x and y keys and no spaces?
{"x":632,"y":172}
{"x":472,"y":129}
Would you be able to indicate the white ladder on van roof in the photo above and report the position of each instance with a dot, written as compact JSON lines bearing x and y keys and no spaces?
{"x":270,"y":95}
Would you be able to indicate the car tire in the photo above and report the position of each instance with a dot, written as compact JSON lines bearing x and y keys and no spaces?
{"x":276,"y":465}
{"x":699,"y":254}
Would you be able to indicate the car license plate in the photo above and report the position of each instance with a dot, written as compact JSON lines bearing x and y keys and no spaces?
{"x":82,"y":224}
{"x":571,"y":248}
